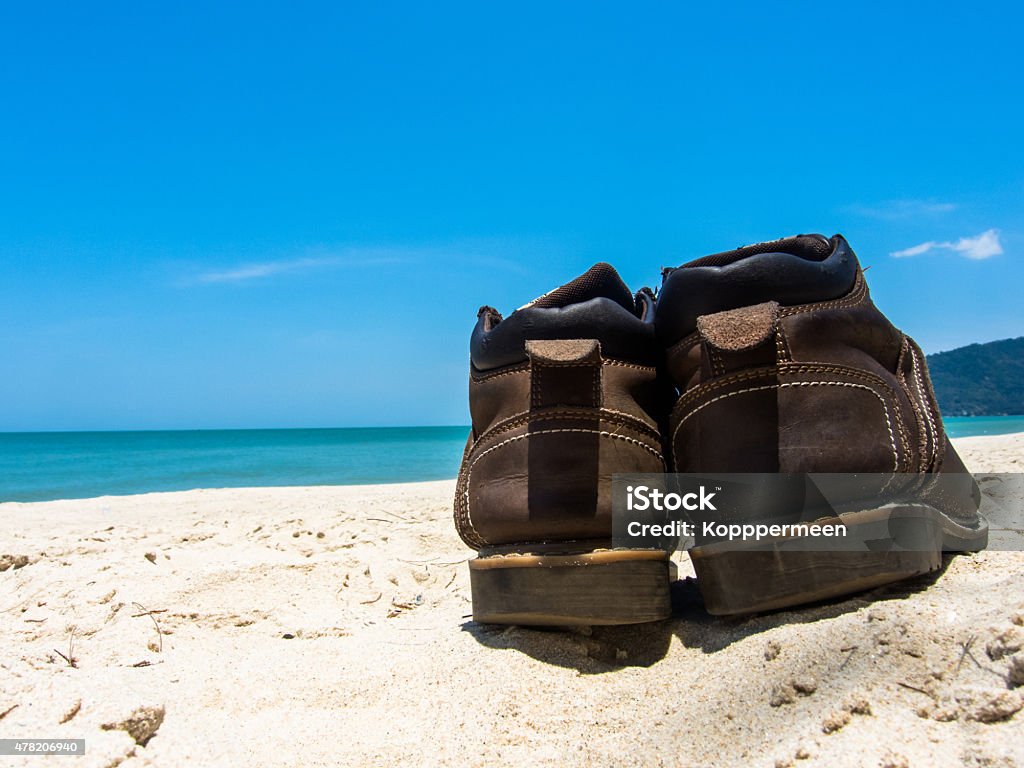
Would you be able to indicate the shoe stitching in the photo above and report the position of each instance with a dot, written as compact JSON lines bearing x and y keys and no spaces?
{"x":885,"y":409}
{"x":804,"y":368}
{"x":786,"y":368}
{"x":924,"y":436}
{"x":621,"y":364}
{"x":537,"y":371}
{"x":941,"y":439}
{"x":703,"y":389}
{"x":560,"y":364}
{"x":923,"y":395}
{"x":607,"y":414}
{"x":685,"y":344}
{"x":781,"y":348}
{"x":465,"y":525}
{"x":466,"y":515}
{"x":858,"y":293}
{"x":480,"y":378}
{"x":714,"y":358}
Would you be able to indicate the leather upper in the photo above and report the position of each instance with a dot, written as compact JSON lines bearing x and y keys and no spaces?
{"x":771,"y":358}
{"x":700,"y":288}
{"x":561,"y":399}
{"x":826,"y":386}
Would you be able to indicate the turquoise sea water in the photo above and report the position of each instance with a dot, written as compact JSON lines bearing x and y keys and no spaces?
{"x":972,"y":426}
{"x":38,"y":466}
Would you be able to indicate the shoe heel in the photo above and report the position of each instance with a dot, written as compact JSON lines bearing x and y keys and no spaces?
{"x":608,"y":587}
{"x":885,"y":545}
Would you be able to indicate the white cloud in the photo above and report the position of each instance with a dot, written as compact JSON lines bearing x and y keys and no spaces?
{"x":489,"y":254}
{"x":895,"y":210}
{"x":916,"y":250}
{"x":264,"y":269}
{"x":983,"y":246}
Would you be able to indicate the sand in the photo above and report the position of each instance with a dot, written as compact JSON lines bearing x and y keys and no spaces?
{"x":330,"y":626}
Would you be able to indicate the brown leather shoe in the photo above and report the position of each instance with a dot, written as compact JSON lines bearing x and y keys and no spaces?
{"x":783,"y":365}
{"x":563,"y":394}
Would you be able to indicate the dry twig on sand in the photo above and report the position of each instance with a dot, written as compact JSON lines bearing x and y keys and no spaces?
{"x":70,"y":658}
{"x":147,"y":612}
{"x":914,"y":688}
{"x":965,"y":652}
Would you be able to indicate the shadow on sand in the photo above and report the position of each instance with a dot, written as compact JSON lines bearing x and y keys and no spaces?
{"x":599,"y":650}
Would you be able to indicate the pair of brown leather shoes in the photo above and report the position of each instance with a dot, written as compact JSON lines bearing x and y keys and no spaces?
{"x":767,"y":359}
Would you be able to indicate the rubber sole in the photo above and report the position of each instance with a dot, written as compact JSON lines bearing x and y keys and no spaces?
{"x":883,"y":546}
{"x":603,"y":587}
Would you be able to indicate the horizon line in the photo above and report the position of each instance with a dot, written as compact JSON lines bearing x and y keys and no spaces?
{"x":223,"y":429}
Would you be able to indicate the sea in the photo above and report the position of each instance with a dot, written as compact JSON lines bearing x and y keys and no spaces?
{"x":39,"y":466}
{"x":42,"y":466}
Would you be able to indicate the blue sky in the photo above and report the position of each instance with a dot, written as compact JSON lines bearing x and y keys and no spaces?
{"x":263,"y":215}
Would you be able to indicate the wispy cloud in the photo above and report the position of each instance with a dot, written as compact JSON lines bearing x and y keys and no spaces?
{"x":251,"y":271}
{"x":491,"y":254}
{"x":263,"y":269}
{"x":983,"y":246}
{"x":900,"y":210}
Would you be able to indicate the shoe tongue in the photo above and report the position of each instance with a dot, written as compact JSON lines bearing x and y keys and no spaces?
{"x":600,"y":281}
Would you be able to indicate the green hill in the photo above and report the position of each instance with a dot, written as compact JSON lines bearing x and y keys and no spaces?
{"x":980,"y":379}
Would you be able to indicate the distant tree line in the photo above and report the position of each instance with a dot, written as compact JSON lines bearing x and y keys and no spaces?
{"x":980,"y":379}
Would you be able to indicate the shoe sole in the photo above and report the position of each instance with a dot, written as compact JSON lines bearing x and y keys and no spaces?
{"x":894,"y":542}
{"x":601,"y":587}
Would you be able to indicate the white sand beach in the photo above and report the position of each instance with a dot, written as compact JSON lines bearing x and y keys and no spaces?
{"x":330,"y":626}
